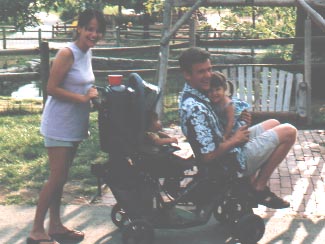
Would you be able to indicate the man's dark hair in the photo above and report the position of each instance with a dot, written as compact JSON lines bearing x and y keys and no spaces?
{"x":193,"y":55}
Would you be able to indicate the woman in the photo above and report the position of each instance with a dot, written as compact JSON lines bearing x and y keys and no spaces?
{"x":65,"y":123}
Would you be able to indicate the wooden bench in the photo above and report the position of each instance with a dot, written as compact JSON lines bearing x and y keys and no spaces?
{"x":272,"y":93}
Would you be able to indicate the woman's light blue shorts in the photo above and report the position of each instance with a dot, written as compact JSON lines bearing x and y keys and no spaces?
{"x":49,"y":142}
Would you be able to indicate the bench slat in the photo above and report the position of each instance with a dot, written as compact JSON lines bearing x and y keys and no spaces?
{"x":288,"y":91}
{"x":280,"y":91}
{"x":257,"y":89}
{"x":273,"y":83}
{"x":249,"y":85}
{"x":265,"y":88}
{"x":241,"y":83}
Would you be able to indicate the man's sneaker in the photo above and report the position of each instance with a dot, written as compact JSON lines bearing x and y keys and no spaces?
{"x":270,"y":200}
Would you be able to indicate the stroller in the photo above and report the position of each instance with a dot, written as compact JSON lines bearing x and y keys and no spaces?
{"x":154,"y":189}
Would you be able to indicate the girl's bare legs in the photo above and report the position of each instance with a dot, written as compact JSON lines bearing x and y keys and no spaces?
{"x":270,"y":124}
{"x":50,"y":196}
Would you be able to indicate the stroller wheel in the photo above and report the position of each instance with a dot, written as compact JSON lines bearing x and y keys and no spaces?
{"x":249,"y":229}
{"x":138,"y":232}
{"x":230,"y":210}
{"x":119,"y":217}
{"x":220,"y":213}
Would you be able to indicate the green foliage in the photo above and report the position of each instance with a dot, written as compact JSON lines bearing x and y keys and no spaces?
{"x":270,"y":22}
{"x":23,"y":13}
{"x":154,"y":6}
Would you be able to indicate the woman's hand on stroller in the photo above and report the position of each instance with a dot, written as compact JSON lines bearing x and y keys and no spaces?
{"x":92,"y":93}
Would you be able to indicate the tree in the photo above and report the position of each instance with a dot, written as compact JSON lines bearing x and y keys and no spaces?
{"x":22,"y":13}
{"x":268,"y":22}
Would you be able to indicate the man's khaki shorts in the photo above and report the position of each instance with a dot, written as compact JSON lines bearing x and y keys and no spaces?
{"x":259,"y":148}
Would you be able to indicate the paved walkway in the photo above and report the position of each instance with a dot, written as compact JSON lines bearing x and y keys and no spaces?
{"x":300,"y":179}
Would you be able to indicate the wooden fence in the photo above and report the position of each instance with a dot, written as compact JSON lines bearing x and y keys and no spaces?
{"x":44,"y":53}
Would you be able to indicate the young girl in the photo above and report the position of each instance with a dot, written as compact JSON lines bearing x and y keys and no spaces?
{"x":154,"y":134}
{"x":228,"y":109}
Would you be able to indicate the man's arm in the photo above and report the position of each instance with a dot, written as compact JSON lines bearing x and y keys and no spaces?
{"x":204,"y":133}
{"x":241,"y":136}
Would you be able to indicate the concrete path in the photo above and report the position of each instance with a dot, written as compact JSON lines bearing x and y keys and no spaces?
{"x":94,"y":220}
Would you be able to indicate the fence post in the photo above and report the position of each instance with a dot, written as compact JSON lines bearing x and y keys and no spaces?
{"x":4,"y":38}
{"x":192,"y":31}
{"x":39,"y":37}
{"x":118,"y":36}
{"x":53,"y":31}
{"x":45,"y":67}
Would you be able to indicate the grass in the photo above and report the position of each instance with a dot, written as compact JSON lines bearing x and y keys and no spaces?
{"x":23,"y":160}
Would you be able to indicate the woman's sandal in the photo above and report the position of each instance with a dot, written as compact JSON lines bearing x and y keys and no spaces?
{"x":270,"y":200}
{"x":70,"y":235}
{"x":30,"y":240}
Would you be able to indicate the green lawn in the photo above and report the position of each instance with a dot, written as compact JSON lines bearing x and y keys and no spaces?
{"x":23,"y":159}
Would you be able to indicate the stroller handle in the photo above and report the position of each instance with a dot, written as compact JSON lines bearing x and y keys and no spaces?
{"x":96,"y":101}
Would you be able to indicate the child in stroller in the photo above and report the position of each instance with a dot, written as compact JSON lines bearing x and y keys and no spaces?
{"x":134,"y":176}
{"x":163,"y":155}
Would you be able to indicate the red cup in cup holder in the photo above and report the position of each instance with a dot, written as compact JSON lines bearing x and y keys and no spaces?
{"x":115,"y":80}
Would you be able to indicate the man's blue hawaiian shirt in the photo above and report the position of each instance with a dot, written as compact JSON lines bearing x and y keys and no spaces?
{"x":200,"y":124}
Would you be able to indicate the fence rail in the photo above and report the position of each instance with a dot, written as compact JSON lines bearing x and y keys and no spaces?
{"x":114,"y":36}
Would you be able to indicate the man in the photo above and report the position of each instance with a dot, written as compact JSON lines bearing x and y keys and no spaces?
{"x":259,"y":149}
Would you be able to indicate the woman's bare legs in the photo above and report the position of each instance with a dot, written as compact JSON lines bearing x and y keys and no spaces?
{"x":55,"y":224}
{"x":60,"y":159}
